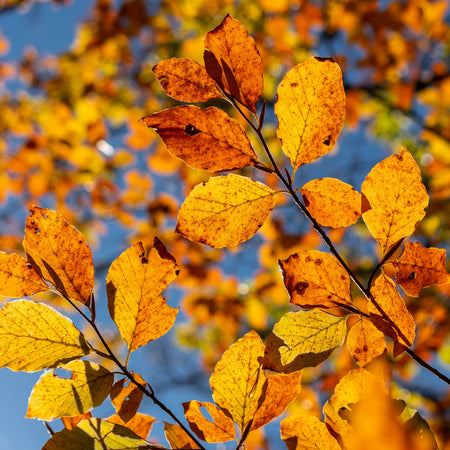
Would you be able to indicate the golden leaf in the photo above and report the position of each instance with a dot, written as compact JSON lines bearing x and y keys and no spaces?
{"x":310,"y":110}
{"x":34,"y":336}
{"x":225,"y":211}
{"x":141,"y":424}
{"x":178,"y":438}
{"x":127,"y":399}
{"x":70,"y":422}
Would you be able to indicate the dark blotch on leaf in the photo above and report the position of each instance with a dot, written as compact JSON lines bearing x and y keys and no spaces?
{"x":191,"y":130}
{"x":301,"y":287}
{"x":327,"y":141}
{"x":412,"y":276}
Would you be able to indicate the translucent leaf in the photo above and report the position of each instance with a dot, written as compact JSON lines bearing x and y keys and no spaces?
{"x":400,"y":326}
{"x":396,"y":199}
{"x":70,"y":422}
{"x":232,"y":59}
{"x":221,"y":429}
{"x":34,"y":336}
{"x":60,"y":254}
{"x":141,"y":424}
{"x":134,"y":284}
{"x":238,"y":379}
{"x":307,"y":432}
{"x":185,"y":80}
{"x":315,"y":278}
{"x":17,"y":277}
{"x":127,"y":399}
{"x":310,"y":110}
{"x":332,"y":202}
{"x":303,"y":339}
{"x":420,"y":267}
{"x":97,"y":434}
{"x":54,"y":396}
{"x":365,"y":341}
{"x":178,"y":438}
{"x":225,"y":211}
{"x":205,"y":139}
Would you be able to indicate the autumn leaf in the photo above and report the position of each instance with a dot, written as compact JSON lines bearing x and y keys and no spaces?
{"x":332,"y":202}
{"x":315,"y":278}
{"x":134,"y":285}
{"x":59,"y":254}
{"x":396,"y":199}
{"x":70,"y":422}
{"x":185,"y":80}
{"x":98,"y":434}
{"x":400,"y":326}
{"x":205,"y":139}
{"x":127,"y":399}
{"x":420,"y":267}
{"x":141,"y":424}
{"x":307,"y":432}
{"x":310,"y":109}
{"x":220,"y":429}
{"x":177,"y":437}
{"x":225,"y":211}
{"x":303,"y":339}
{"x":33,"y":336}
{"x":232,"y":59}
{"x":54,"y":396}
{"x":365,"y":341}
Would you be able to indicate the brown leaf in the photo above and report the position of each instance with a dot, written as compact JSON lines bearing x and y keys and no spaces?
{"x":205,"y":139}
{"x":127,"y":399}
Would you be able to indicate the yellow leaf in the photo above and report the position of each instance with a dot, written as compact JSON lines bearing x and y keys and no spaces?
{"x":53,"y":396}
{"x":365,"y":341}
{"x":178,"y":438}
{"x":303,"y":339}
{"x":185,"y":80}
{"x":205,"y":139}
{"x":225,"y":211}
{"x":134,"y":285}
{"x":141,"y":424}
{"x":238,"y":379}
{"x":232,"y":59}
{"x":310,"y":110}
{"x":221,"y":429}
{"x":332,"y":202}
{"x":400,"y":326}
{"x":127,"y":399}
{"x":59,"y":254}
{"x":315,"y":278}
{"x":34,"y":336}
{"x":396,"y":199}
{"x":307,"y":432}
{"x":17,"y":277}
{"x":420,"y":267}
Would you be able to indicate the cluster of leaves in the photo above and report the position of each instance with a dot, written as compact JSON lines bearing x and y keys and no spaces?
{"x":253,"y":382}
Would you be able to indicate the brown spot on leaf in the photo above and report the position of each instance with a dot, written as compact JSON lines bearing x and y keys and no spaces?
{"x":301,"y":287}
{"x":191,"y":130}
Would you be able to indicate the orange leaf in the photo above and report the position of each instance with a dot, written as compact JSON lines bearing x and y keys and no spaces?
{"x":17,"y":277}
{"x":126,"y":399}
{"x":185,"y":80}
{"x":59,"y":253}
{"x":365,"y":341}
{"x":315,"y":278}
{"x":332,"y":202}
{"x":70,"y":422}
{"x":221,"y":429}
{"x":400,"y":326}
{"x":420,"y":267}
{"x":141,"y":424}
{"x":177,"y":437}
{"x":310,"y":110}
{"x":396,"y":199}
{"x":232,"y":59}
{"x":225,"y":211}
{"x":134,"y":287}
{"x":205,"y":139}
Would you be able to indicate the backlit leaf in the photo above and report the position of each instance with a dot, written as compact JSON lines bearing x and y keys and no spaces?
{"x":34,"y":336}
{"x":127,"y":399}
{"x":70,"y":422}
{"x":232,"y":59}
{"x":225,"y":211}
{"x":307,"y":432}
{"x":420,"y":267}
{"x":332,"y":202}
{"x":60,"y":254}
{"x":310,"y":110}
{"x":400,"y":326}
{"x":177,"y":437}
{"x":365,"y":341}
{"x":205,"y":139}
{"x":315,"y":278}
{"x":17,"y":277}
{"x":221,"y":429}
{"x":396,"y":199}
{"x":134,"y":285}
{"x":141,"y":424}
{"x":238,"y":379}
{"x":54,"y":396}
{"x":185,"y":80}
{"x":303,"y":339}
